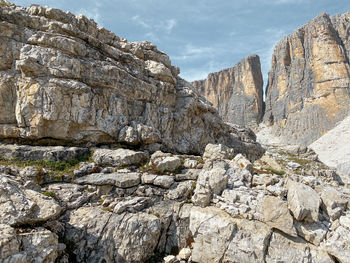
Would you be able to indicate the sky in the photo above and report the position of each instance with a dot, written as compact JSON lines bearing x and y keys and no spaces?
{"x":202,"y":36}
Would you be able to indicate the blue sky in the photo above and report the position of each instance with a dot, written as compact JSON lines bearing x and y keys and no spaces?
{"x":202,"y":36}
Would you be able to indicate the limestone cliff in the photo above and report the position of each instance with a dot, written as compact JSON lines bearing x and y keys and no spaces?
{"x":63,"y":79}
{"x":236,"y":92}
{"x":308,"y":90}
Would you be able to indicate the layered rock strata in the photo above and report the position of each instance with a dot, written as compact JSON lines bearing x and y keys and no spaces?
{"x":65,"y":80}
{"x":309,"y":83}
{"x":236,"y":92}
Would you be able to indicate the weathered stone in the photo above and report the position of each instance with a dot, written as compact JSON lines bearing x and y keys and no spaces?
{"x":131,"y":205}
{"x":49,"y":153}
{"x":282,"y":249}
{"x":38,"y":245}
{"x":123,"y":180}
{"x":148,"y":178}
{"x":169,"y":164}
{"x":249,"y":243}
{"x":334,"y":201}
{"x":164,"y":181}
{"x":308,"y":85}
{"x":98,"y":235}
{"x":236,"y":92}
{"x":119,"y":157}
{"x":217,"y":152}
{"x":311,"y":232}
{"x":66,"y":80}
{"x":21,"y":206}
{"x":304,"y":202}
{"x":185,"y":253}
{"x":276,"y":214}
{"x":337,"y":244}
{"x":182,"y":191}
{"x":212,"y":230}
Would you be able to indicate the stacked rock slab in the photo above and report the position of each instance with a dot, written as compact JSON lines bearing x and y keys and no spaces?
{"x":236,"y":92}
{"x":63,"y":79}
{"x":309,"y":83}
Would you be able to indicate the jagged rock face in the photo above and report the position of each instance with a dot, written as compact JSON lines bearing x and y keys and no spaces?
{"x":309,"y":83}
{"x":236,"y":92}
{"x":64,"y":79}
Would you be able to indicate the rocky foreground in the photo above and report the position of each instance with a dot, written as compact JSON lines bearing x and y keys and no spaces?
{"x":68,"y":204}
{"x":155,"y":175}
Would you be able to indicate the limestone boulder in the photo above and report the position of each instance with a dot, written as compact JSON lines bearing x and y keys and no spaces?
{"x":22,"y":206}
{"x":119,"y":157}
{"x":99,"y":234}
{"x":38,"y":245}
{"x":304,"y":202}
{"x":276,"y":214}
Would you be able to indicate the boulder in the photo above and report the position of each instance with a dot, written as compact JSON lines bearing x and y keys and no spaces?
{"x":276,"y":214}
{"x":38,"y":245}
{"x":303,"y":201}
{"x":122,"y":180}
{"x":217,"y":152}
{"x":21,"y":206}
{"x":94,"y":232}
{"x":119,"y":157}
{"x":282,"y":249}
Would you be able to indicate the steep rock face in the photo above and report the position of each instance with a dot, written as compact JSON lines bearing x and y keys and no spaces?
{"x":63,"y":79}
{"x":236,"y":92}
{"x":309,"y":83}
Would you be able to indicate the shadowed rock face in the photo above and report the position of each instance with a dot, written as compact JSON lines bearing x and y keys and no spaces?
{"x":236,"y":92}
{"x":309,"y":83}
{"x":64,"y":79}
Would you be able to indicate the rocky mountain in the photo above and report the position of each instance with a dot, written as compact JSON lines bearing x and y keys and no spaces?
{"x":308,"y":89}
{"x":236,"y":92}
{"x":309,"y":83}
{"x":119,"y":198}
{"x":64,"y":80}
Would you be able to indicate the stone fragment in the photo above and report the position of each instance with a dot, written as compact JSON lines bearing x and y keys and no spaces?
{"x":182,"y":191}
{"x":119,"y":157}
{"x":123,"y":180}
{"x":38,"y":245}
{"x":337,"y":243}
{"x":185,"y":253}
{"x":217,"y":151}
{"x":303,"y":201}
{"x":283,"y":249}
{"x":170,"y":164}
{"x":169,"y":259}
{"x":212,"y":230}
{"x":276,"y":214}
{"x":21,"y":206}
{"x":133,"y":237}
{"x":312,"y":232}
{"x":334,"y":201}
{"x":164,"y":181}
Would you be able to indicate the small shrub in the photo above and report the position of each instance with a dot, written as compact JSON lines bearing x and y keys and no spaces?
{"x":50,"y":194}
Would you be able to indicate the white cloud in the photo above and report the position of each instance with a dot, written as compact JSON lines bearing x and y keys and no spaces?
{"x":153,"y":29}
{"x":92,"y":12}
{"x":137,"y":19}
{"x":281,"y":2}
{"x":191,"y":52}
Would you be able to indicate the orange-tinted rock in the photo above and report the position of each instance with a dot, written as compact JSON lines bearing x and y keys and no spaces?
{"x":309,"y":83}
{"x":236,"y":92}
